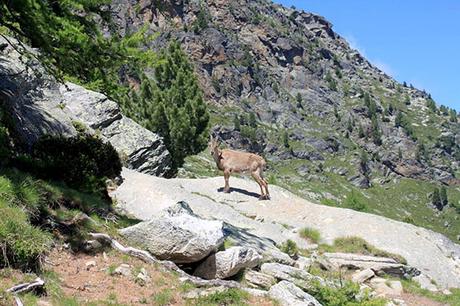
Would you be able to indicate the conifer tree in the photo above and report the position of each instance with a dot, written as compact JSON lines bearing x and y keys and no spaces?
{"x":286,"y":139}
{"x":443,"y":196}
{"x":453,"y":116}
{"x":236,"y":123}
{"x":376,"y":133}
{"x":436,"y":199}
{"x":172,"y":105}
{"x":252,"y":120}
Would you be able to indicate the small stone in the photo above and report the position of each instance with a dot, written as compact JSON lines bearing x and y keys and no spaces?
{"x":258,"y":279}
{"x":143,"y":277}
{"x":362,"y":276}
{"x":123,"y":269}
{"x":90,"y":264}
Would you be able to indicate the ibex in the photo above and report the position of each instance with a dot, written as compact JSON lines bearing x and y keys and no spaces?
{"x":231,"y":161}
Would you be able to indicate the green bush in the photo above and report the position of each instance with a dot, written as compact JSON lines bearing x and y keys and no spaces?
{"x":290,"y":247}
{"x":231,"y":296}
{"x":345,"y":295}
{"x":82,"y":162}
{"x":310,"y":234}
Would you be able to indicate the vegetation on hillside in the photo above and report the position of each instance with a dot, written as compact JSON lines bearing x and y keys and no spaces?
{"x":172,"y":105}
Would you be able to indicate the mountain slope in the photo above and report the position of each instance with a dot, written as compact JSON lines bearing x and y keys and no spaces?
{"x":282,"y":83}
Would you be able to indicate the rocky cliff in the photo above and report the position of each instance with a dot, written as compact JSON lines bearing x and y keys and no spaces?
{"x":294,"y":72}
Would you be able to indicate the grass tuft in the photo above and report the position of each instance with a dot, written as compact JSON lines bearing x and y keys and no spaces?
{"x":310,"y":234}
{"x":358,"y":245}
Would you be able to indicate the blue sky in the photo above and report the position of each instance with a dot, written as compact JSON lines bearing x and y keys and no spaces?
{"x":417,"y":41}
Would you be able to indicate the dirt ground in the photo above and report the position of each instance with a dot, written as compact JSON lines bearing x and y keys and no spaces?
{"x":98,"y":283}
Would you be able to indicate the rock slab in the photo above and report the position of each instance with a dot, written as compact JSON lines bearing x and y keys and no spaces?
{"x":288,"y":294}
{"x":177,"y":235}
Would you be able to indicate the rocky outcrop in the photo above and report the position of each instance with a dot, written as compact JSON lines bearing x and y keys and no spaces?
{"x":31,"y":96}
{"x":301,"y":278}
{"x":39,"y":105}
{"x":139,"y":148}
{"x":227,"y":263}
{"x":177,"y":235}
{"x":288,"y":294}
{"x":377,"y":264}
{"x":430,"y":253}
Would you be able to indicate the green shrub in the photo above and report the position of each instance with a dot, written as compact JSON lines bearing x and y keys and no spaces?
{"x":82,"y":162}
{"x":310,"y":234}
{"x":231,"y":296}
{"x":345,"y":295}
{"x":290,"y":247}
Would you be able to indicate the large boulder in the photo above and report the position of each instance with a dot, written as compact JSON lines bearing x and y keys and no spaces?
{"x":39,"y":105}
{"x":177,"y":234}
{"x":288,"y":294}
{"x":227,"y":263}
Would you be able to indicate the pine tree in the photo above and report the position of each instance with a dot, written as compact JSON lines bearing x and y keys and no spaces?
{"x":376,"y":133}
{"x":350,"y":125}
{"x":252,"y":120}
{"x":173,"y":105}
{"x":336,"y":114}
{"x":406,"y":100}
{"x":361,"y":131}
{"x":453,"y":116}
{"x":443,"y":196}
{"x":299,"y":100}
{"x":399,"y":120}
{"x":286,"y":139}
{"x":363,"y":163}
{"x":436,"y":199}
{"x":236,"y":123}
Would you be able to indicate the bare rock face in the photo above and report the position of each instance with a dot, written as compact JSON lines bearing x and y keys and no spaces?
{"x":38,"y":105}
{"x":31,"y":97}
{"x":286,"y":293}
{"x":177,"y":235}
{"x":228,"y":263}
{"x":142,"y":150}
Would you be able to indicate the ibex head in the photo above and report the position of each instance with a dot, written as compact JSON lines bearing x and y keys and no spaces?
{"x":214,"y":148}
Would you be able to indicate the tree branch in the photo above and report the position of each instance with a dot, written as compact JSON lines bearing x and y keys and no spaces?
{"x":26,"y":286}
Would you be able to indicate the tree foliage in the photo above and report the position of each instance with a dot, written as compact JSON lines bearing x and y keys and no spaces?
{"x":70,"y":42}
{"x":172,"y":105}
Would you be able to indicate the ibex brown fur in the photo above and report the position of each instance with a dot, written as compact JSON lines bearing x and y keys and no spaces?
{"x":231,"y":161}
